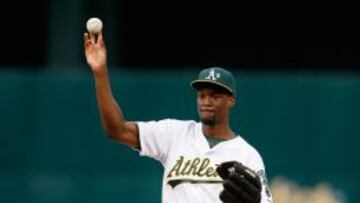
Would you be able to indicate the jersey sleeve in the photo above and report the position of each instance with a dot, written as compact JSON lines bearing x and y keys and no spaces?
{"x":155,"y":138}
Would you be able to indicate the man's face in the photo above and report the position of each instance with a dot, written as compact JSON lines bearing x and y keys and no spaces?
{"x":213,"y":106}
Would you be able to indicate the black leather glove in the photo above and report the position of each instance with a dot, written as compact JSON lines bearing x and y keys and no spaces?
{"x":241,"y":184}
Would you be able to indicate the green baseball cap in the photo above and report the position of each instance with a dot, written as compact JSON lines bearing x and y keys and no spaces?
{"x":215,"y":76}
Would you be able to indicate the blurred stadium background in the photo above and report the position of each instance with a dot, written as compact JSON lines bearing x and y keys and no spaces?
{"x":298,"y":84}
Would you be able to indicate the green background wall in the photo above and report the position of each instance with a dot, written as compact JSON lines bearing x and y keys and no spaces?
{"x":52,"y":147}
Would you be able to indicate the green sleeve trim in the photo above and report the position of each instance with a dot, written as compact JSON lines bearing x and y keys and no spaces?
{"x":138,"y":135}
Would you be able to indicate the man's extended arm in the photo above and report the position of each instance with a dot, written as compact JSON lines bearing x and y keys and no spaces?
{"x":112,"y":119}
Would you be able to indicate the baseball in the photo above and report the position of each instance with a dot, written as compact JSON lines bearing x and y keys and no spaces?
{"x":94,"y":25}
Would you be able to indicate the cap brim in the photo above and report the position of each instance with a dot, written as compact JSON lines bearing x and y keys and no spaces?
{"x":203,"y":83}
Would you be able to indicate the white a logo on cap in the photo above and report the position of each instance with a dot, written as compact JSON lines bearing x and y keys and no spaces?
{"x":213,"y":75}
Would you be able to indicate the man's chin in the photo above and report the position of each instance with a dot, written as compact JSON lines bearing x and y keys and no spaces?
{"x":210,"y":122}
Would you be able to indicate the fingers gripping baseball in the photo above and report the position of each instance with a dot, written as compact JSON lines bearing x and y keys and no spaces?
{"x":94,"y":46}
{"x":241,"y":184}
{"x":95,"y":51}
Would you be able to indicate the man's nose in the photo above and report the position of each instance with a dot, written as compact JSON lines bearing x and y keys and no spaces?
{"x":206,"y":101}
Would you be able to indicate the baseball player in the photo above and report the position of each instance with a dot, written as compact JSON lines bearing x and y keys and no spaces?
{"x":204,"y":162}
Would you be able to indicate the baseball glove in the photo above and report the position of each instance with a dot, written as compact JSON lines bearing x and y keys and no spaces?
{"x":241,"y":184}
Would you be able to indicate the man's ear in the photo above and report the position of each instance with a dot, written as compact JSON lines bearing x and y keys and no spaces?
{"x":231,"y":101}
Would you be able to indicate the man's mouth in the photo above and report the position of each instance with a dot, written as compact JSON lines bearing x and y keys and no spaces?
{"x":207,"y":110}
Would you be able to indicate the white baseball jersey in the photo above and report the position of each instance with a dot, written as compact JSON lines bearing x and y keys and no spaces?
{"x":190,"y":163}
